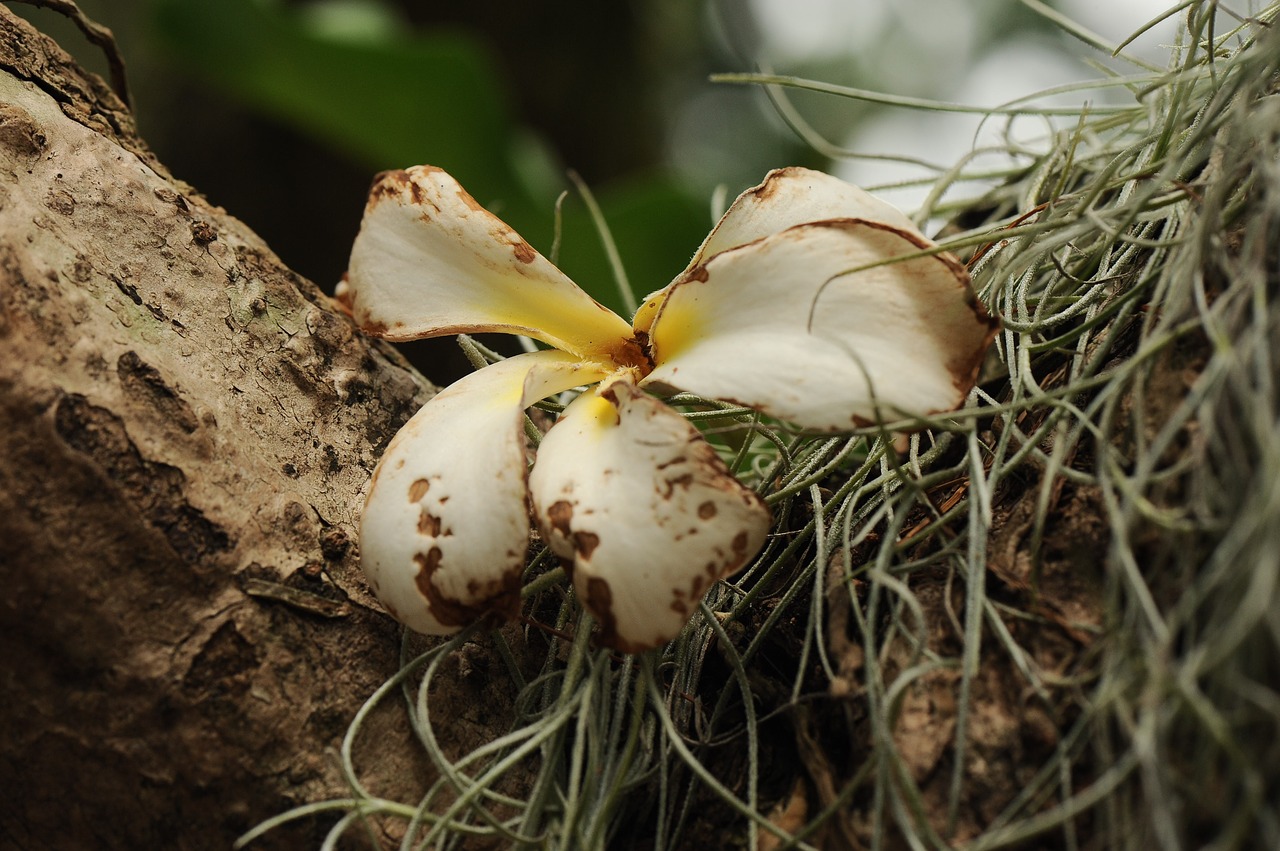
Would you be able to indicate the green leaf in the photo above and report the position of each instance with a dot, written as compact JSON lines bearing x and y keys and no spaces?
{"x":391,"y":101}
{"x":386,"y":101}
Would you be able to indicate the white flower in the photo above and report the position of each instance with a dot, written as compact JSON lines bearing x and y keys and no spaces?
{"x":787,"y":308}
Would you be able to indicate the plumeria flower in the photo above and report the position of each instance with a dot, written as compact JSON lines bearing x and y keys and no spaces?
{"x":788,"y":307}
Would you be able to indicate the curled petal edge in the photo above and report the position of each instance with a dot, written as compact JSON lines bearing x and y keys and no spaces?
{"x":830,"y":325}
{"x":787,"y":197}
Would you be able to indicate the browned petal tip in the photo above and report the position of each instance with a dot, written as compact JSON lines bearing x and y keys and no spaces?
{"x":388,"y":184}
{"x":599,"y":601}
{"x":375,"y":329}
{"x":496,"y":599}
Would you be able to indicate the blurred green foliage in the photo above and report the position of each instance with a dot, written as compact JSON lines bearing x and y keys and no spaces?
{"x":383,"y":98}
{"x":388,"y":97}
{"x":284,"y":109}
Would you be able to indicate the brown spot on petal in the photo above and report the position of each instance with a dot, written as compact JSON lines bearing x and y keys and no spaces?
{"x":418,"y":490}
{"x":524,"y":251}
{"x":739,"y":544}
{"x":560,"y":516}
{"x":429,"y":524}
{"x":387,"y":184}
{"x":428,"y":564}
{"x":499,"y":597}
{"x":600,"y":602}
{"x":770,"y":185}
{"x":684,"y":480}
{"x":631,"y":352}
{"x":585,"y":543}
{"x":707,"y":510}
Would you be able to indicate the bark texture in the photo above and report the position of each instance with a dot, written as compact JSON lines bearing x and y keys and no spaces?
{"x":187,"y":429}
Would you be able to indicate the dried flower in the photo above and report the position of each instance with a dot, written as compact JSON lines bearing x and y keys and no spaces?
{"x":796,"y":304}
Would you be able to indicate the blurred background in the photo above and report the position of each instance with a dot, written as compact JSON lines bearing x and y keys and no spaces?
{"x":281,"y":111}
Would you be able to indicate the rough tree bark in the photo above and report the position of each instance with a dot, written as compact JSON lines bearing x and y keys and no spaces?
{"x":187,"y":427}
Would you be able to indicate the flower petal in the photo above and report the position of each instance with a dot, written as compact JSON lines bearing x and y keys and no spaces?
{"x":446,"y":523}
{"x":649,"y":517}
{"x":430,"y":261}
{"x":785,"y":326}
{"x":785,"y":198}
